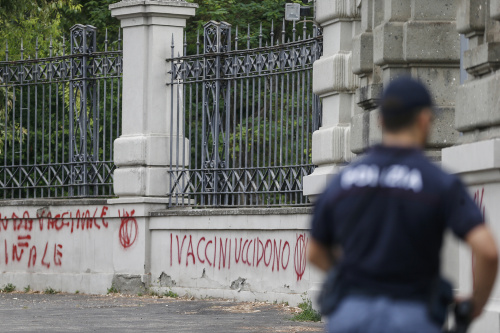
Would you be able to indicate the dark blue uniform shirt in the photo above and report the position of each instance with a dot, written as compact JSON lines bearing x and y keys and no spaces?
{"x":388,"y":211}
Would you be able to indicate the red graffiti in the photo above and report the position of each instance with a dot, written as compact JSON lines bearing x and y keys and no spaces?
{"x":24,"y":225}
{"x":44,"y":263}
{"x":478,"y":199}
{"x":299,"y":258}
{"x":217,"y":252}
{"x":222,"y":253}
{"x":128,"y":229}
{"x":32,"y":257}
{"x":182,"y":245}
{"x":57,"y":254}
{"x":190,"y":253}
{"x":198,"y":250}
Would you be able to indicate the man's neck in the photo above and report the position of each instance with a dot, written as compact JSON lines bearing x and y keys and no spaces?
{"x":401,"y":140}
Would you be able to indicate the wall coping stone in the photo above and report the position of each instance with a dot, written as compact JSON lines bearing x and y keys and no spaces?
{"x":232,"y":211}
{"x":54,"y":202}
{"x":128,"y":3}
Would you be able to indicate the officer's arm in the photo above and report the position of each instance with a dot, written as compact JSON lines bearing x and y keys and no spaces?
{"x":322,"y":256}
{"x":485,"y":250}
{"x":319,"y":255}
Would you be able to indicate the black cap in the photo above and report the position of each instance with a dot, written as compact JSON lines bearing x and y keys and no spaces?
{"x":404,"y":94}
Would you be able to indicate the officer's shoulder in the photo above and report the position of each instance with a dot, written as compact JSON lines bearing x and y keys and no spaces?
{"x":434,"y":172}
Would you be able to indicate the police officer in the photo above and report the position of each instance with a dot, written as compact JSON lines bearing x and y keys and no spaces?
{"x":387,"y":214}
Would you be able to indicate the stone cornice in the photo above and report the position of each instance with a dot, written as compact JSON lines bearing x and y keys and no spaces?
{"x":331,"y":10}
{"x":128,"y":3}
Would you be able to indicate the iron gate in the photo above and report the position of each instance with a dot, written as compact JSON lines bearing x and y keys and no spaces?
{"x":61,"y":115}
{"x":243,"y":119}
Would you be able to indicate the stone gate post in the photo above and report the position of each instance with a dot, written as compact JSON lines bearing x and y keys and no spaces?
{"x":141,"y":153}
{"x":335,"y":83}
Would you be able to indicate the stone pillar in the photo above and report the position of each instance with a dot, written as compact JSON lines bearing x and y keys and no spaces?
{"x":414,"y":38}
{"x":335,"y":83}
{"x":150,"y":29}
{"x":477,"y":157}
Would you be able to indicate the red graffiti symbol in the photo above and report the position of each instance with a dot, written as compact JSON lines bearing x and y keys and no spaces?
{"x":128,"y":229}
{"x":299,"y":258}
{"x":478,"y":199}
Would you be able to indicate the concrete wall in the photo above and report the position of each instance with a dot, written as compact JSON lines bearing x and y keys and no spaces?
{"x":247,"y":254}
{"x":478,"y":166}
{"x":70,"y":245}
{"x":88,"y":245}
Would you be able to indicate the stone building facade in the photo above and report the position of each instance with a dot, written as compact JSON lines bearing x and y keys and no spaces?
{"x":370,"y":42}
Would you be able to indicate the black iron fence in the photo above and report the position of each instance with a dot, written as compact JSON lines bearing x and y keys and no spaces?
{"x":243,"y":119}
{"x":59,"y":117}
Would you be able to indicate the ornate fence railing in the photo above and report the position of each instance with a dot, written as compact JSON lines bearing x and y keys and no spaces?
{"x":59,"y":117}
{"x":243,"y":119}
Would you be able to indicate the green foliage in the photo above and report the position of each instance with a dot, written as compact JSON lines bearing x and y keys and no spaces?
{"x":44,"y":20}
{"x":97,"y":14}
{"x":77,"y":292}
{"x":139,"y":294}
{"x":241,"y":13}
{"x":27,"y":289}
{"x":113,"y":290}
{"x":9,"y":288}
{"x":50,"y":291}
{"x":308,"y":313}
{"x":28,"y":20}
{"x":170,"y":294}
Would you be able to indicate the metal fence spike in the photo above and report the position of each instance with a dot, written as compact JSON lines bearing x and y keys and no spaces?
{"x":106,"y":41}
{"x":304,"y":28}
{"x":283,"y":33}
{"x":272,"y":32}
{"x":185,"y":42}
{"x":260,"y":35}
{"x":198,"y":41}
{"x":236,"y":39}
{"x":119,"y":39}
{"x":248,"y":37}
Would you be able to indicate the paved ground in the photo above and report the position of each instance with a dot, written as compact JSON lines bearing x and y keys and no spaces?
{"x":20,"y":312}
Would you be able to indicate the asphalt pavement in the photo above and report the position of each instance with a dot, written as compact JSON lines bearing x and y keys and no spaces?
{"x":33,"y":312}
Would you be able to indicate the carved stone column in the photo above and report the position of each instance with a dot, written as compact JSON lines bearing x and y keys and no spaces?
{"x":414,"y":38}
{"x":335,"y":83}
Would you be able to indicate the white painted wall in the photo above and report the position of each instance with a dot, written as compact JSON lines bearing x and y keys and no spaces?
{"x":82,"y":246}
{"x":477,"y":164}
{"x":70,"y":247}
{"x":204,"y":255}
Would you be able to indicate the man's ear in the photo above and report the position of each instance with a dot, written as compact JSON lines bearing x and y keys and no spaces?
{"x":429,"y":115}
{"x":425,"y":117}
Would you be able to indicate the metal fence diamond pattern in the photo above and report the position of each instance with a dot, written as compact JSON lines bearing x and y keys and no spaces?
{"x":248,"y":117}
{"x":61,"y":115}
